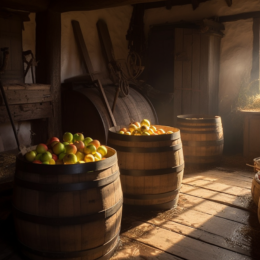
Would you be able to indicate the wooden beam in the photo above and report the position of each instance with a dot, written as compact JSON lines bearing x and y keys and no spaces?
{"x":195,"y":4}
{"x":236,"y":17}
{"x":48,"y":53}
{"x":81,"y":5}
{"x":255,"y":60}
{"x":229,"y":2}
{"x":26,"y":5}
{"x":159,"y":4}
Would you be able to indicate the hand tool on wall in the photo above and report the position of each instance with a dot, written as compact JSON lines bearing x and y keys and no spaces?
{"x":30,"y":64}
{"x":2,"y":69}
{"x":88,"y":66}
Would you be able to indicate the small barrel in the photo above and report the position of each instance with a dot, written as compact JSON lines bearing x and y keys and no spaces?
{"x":255,"y":191}
{"x":68,"y":211}
{"x":256,"y":164}
{"x":151,"y":167}
{"x":202,"y":139}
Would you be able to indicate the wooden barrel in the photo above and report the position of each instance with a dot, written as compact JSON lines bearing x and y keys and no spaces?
{"x":68,"y":211}
{"x":255,"y":191}
{"x":202,"y":139}
{"x":151,"y":167}
{"x":84,"y":111}
{"x":256,"y":164}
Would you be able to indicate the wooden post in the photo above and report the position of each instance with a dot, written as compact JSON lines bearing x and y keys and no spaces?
{"x":255,"y":60}
{"x":48,"y":53}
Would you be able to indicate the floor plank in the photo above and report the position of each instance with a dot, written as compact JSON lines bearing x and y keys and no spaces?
{"x":179,"y":244}
{"x":243,"y":202}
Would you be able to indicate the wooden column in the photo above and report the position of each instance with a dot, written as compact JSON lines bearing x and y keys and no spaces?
{"x":255,"y":60}
{"x":48,"y":53}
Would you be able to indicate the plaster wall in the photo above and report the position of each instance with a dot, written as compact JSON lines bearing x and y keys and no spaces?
{"x":117,"y":20}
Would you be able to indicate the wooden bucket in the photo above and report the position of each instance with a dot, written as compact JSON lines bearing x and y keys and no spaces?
{"x":68,"y":211}
{"x":151,"y":167}
{"x":255,"y":191}
{"x":202,"y":139}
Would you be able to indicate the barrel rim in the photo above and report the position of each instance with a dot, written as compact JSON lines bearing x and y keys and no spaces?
{"x":60,"y":169}
{"x":204,"y":118}
{"x":137,"y":138}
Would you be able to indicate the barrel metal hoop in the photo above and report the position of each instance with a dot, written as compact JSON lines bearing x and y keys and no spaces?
{"x":151,"y":196}
{"x":203,"y":143}
{"x":205,"y":118}
{"x":180,"y":126}
{"x":68,"y":186}
{"x":24,"y":166}
{"x":147,"y":149}
{"x":214,"y":131}
{"x":155,"y":172}
{"x":133,"y":138}
{"x":67,"y":221}
{"x":75,"y":254}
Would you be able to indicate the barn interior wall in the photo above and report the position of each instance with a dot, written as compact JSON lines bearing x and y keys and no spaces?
{"x":7,"y":139}
{"x":235,"y":53}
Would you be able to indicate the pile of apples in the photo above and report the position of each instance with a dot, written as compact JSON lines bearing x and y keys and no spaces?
{"x":73,"y":149}
{"x":143,"y":128}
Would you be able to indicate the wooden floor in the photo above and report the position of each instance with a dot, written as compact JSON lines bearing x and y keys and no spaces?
{"x":215,"y":219}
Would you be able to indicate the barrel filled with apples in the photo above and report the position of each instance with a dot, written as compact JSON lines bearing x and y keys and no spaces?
{"x":67,"y":199}
{"x":151,"y":163}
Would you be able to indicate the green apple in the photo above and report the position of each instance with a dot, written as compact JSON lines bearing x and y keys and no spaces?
{"x":78,"y":137}
{"x":70,"y":159}
{"x":61,"y":155}
{"x":87,"y":140}
{"x":41,"y":148}
{"x":68,"y":137}
{"x":46,"y":157}
{"x":30,"y":156}
{"x":58,"y":148}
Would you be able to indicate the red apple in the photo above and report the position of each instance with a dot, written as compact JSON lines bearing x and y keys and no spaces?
{"x":96,"y":143}
{"x":53,"y":143}
{"x":80,"y":145}
{"x":41,"y":148}
{"x":68,"y":137}
{"x":78,"y":137}
{"x":70,"y":148}
{"x":30,"y":156}
{"x":52,"y":139}
{"x":54,"y":157}
{"x":58,"y":148}
{"x":37,"y":161}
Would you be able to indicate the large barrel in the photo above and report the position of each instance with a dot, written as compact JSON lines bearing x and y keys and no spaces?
{"x":68,"y":211}
{"x":151,"y":167}
{"x":202,"y":139}
{"x":255,"y":191}
{"x":83,"y":110}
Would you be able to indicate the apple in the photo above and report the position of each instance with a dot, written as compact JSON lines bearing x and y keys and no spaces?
{"x":58,"y":148}
{"x":78,"y":137}
{"x":68,"y":137}
{"x":66,"y":143}
{"x":70,"y":158}
{"x":46,"y":157}
{"x":38,"y":157}
{"x":90,"y":149}
{"x":61,"y":155}
{"x":52,"y":162}
{"x":52,"y":139}
{"x":53,"y":143}
{"x":80,"y":156}
{"x":96,"y":143}
{"x":87,"y":140}
{"x":30,"y":156}
{"x":46,"y":162}
{"x":70,"y":148}
{"x":41,"y":148}
{"x":54,"y":157}
{"x":37,"y":161}
{"x":80,"y":145}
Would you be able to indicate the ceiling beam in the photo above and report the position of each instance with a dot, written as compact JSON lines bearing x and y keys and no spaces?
{"x":195,"y":4}
{"x":85,"y":5}
{"x":229,"y":2}
{"x":26,"y":5}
